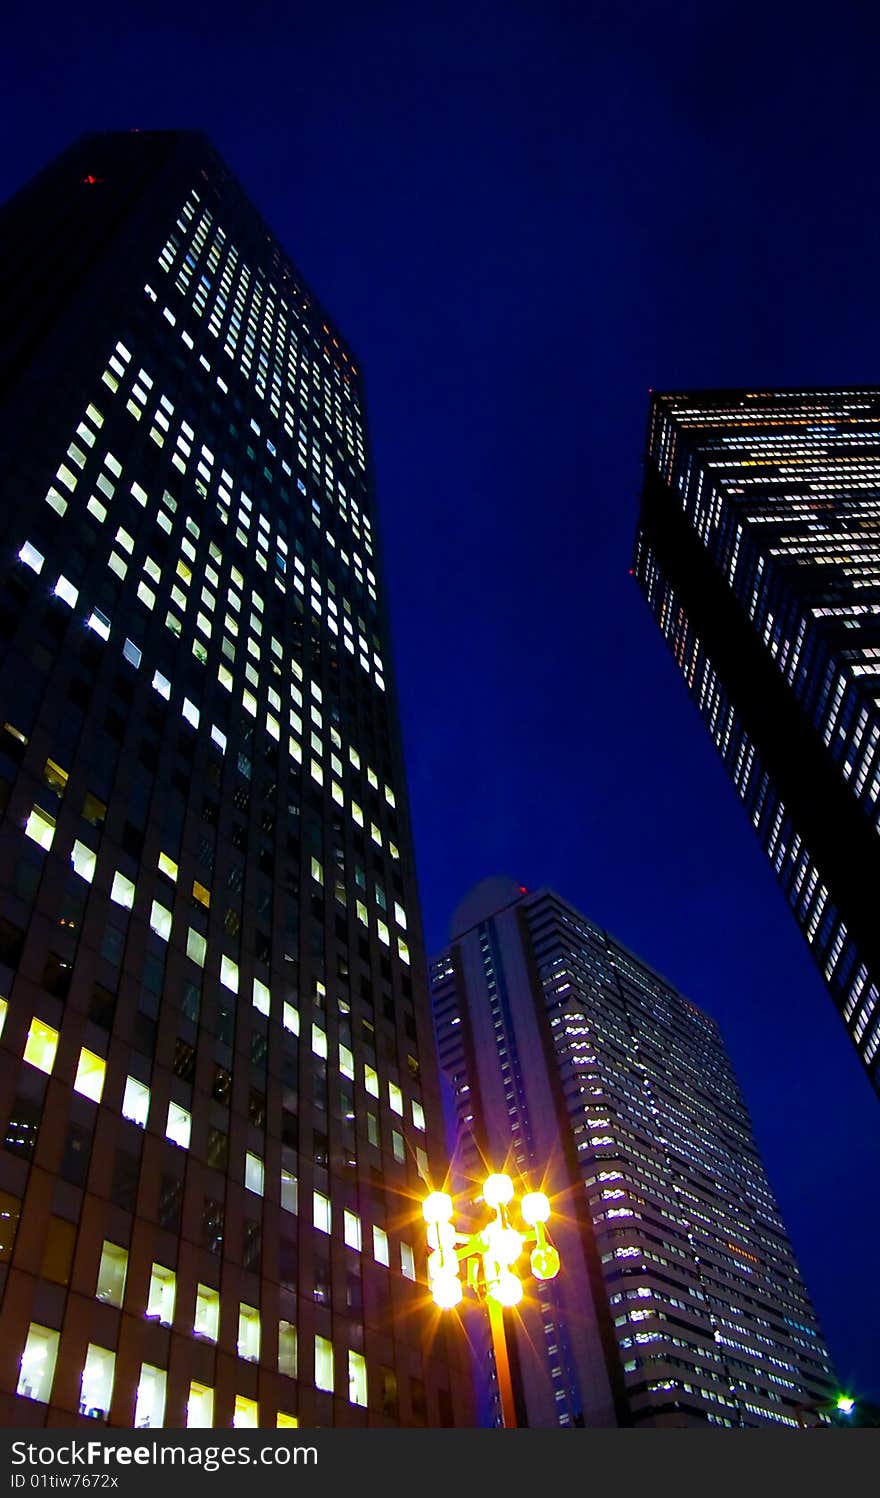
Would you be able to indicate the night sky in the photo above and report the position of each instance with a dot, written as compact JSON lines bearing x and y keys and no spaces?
{"x":523,"y":216}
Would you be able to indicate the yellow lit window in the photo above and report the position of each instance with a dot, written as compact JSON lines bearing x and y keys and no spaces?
{"x":163,"y":1289}
{"x":321,"y":1215}
{"x":177,"y":1129}
{"x":55,"y":776}
{"x":245,"y":1416}
{"x":149,"y":1409}
{"x":287,"y":1349}
{"x":111,"y":1274}
{"x":4,"y":1008}
{"x":196,"y":946}
{"x":207,"y":1318}
{"x":371,"y":1081}
{"x":249,"y":1333}
{"x":200,"y":1407}
{"x":352,"y":1230}
{"x":41,"y":1045}
{"x":40,"y":826}
{"x":324,"y":1364}
{"x":201,"y":894}
{"x":89,"y":1079}
{"x":37,"y":1367}
{"x":168,"y":866}
{"x":96,"y":1388}
{"x":286,"y":1422}
{"x":357,"y":1378}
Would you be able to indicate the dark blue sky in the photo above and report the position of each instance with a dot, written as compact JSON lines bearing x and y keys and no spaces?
{"x":522,"y":216}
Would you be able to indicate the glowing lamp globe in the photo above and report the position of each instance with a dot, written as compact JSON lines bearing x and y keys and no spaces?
{"x":535,"y":1207}
{"x":497,"y":1190}
{"x":446,"y":1290}
{"x":845,"y":1404}
{"x":507,"y":1289}
{"x":505,"y":1245}
{"x":437,"y":1207}
{"x":441,"y":1235}
{"x":544,"y":1261}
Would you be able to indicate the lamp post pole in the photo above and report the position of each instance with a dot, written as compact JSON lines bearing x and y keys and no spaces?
{"x":488,"y":1257}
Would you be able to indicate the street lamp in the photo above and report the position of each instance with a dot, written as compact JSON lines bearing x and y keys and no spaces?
{"x":489,"y":1257}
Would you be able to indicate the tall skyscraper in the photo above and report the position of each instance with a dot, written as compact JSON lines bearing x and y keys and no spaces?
{"x":582,"y":1071}
{"x":757,"y":550}
{"x":217,"y":1077}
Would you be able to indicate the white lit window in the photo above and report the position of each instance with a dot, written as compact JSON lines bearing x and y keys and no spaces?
{"x":395,"y":1098}
{"x":380,"y":1246}
{"x":418,"y":1115}
{"x":136,"y":1101}
{"x":371,"y":1081}
{"x":84,"y":861}
{"x":253,"y":1173}
{"x":321,"y":1213}
{"x":31,"y":557}
{"x":163,"y":1289}
{"x":229,"y":973}
{"x":290,"y":1018}
{"x":97,"y":1382}
{"x":89,"y":1079}
{"x":319,"y":1041}
{"x":178,"y":1126}
{"x":160,"y":920}
{"x":40,"y":826}
{"x":37,"y":1367}
{"x":289,"y":1192}
{"x":262,"y":997}
{"x":122,"y":891}
{"x":66,"y":592}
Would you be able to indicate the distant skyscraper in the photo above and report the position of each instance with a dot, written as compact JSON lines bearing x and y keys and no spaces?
{"x":217,"y":1073}
{"x":578,"y":1068}
{"x":758,"y":550}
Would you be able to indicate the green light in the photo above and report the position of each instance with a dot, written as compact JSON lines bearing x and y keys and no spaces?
{"x":846,"y":1404}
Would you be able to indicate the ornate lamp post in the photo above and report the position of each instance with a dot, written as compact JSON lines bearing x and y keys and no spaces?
{"x":489,"y":1257}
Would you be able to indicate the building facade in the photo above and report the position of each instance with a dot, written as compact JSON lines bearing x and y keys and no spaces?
{"x":757,"y":550}
{"x":579,"y":1069}
{"x":217,"y":1078}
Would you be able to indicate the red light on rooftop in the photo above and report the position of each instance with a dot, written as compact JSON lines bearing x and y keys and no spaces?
{"x":523,"y":890}
{"x":89,"y":181}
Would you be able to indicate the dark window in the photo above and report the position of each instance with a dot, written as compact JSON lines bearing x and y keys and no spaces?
{"x":21,"y":1130}
{"x":11,"y":943}
{"x":58,"y":1250}
{"x":124,"y":1187}
{"x":212,"y":1226}
{"x":388,"y":1384}
{"x":184,"y":1060}
{"x":252,"y":1245}
{"x":170,"y":1202}
{"x":221,"y":1091}
{"x":218,"y":1149}
{"x":77,"y":1153}
{"x":56,"y":976}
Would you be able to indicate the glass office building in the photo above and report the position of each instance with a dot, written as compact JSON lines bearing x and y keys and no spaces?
{"x":758,"y":552}
{"x":218,"y":1089}
{"x":579,"y":1069}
